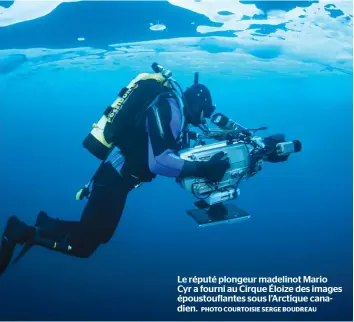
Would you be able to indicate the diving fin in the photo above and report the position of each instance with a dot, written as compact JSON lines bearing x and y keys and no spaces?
{"x":42,"y":219}
{"x":26,"y":247}
{"x":16,"y":232}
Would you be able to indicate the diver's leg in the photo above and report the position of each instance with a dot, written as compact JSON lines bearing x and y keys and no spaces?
{"x":81,"y":238}
{"x":98,"y":221}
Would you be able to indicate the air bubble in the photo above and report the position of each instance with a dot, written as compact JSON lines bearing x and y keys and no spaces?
{"x":157,"y":26}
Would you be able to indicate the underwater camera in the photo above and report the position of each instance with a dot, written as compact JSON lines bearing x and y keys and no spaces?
{"x":246,"y":151}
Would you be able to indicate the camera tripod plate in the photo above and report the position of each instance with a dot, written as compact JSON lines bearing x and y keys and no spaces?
{"x":218,"y":214}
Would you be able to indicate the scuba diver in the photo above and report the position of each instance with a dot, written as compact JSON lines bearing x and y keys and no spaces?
{"x":137,"y":139}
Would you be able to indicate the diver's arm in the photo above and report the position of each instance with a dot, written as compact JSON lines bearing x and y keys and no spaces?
{"x":164,"y":124}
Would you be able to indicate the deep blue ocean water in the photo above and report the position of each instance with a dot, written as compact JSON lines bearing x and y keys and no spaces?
{"x":301,"y":210}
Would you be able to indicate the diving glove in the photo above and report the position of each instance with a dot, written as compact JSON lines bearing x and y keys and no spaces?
{"x":214,"y":169}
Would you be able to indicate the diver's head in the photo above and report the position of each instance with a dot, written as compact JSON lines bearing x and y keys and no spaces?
{"x":198,"y":104}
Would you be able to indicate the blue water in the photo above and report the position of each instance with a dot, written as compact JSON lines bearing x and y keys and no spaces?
{"x":301,"y":210}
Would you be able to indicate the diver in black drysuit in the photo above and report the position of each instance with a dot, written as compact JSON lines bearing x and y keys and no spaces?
{"x":149,"y":153}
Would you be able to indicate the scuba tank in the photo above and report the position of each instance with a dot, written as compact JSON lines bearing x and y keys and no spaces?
{"x":122,"y":115}
{"x":125,"y":115}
